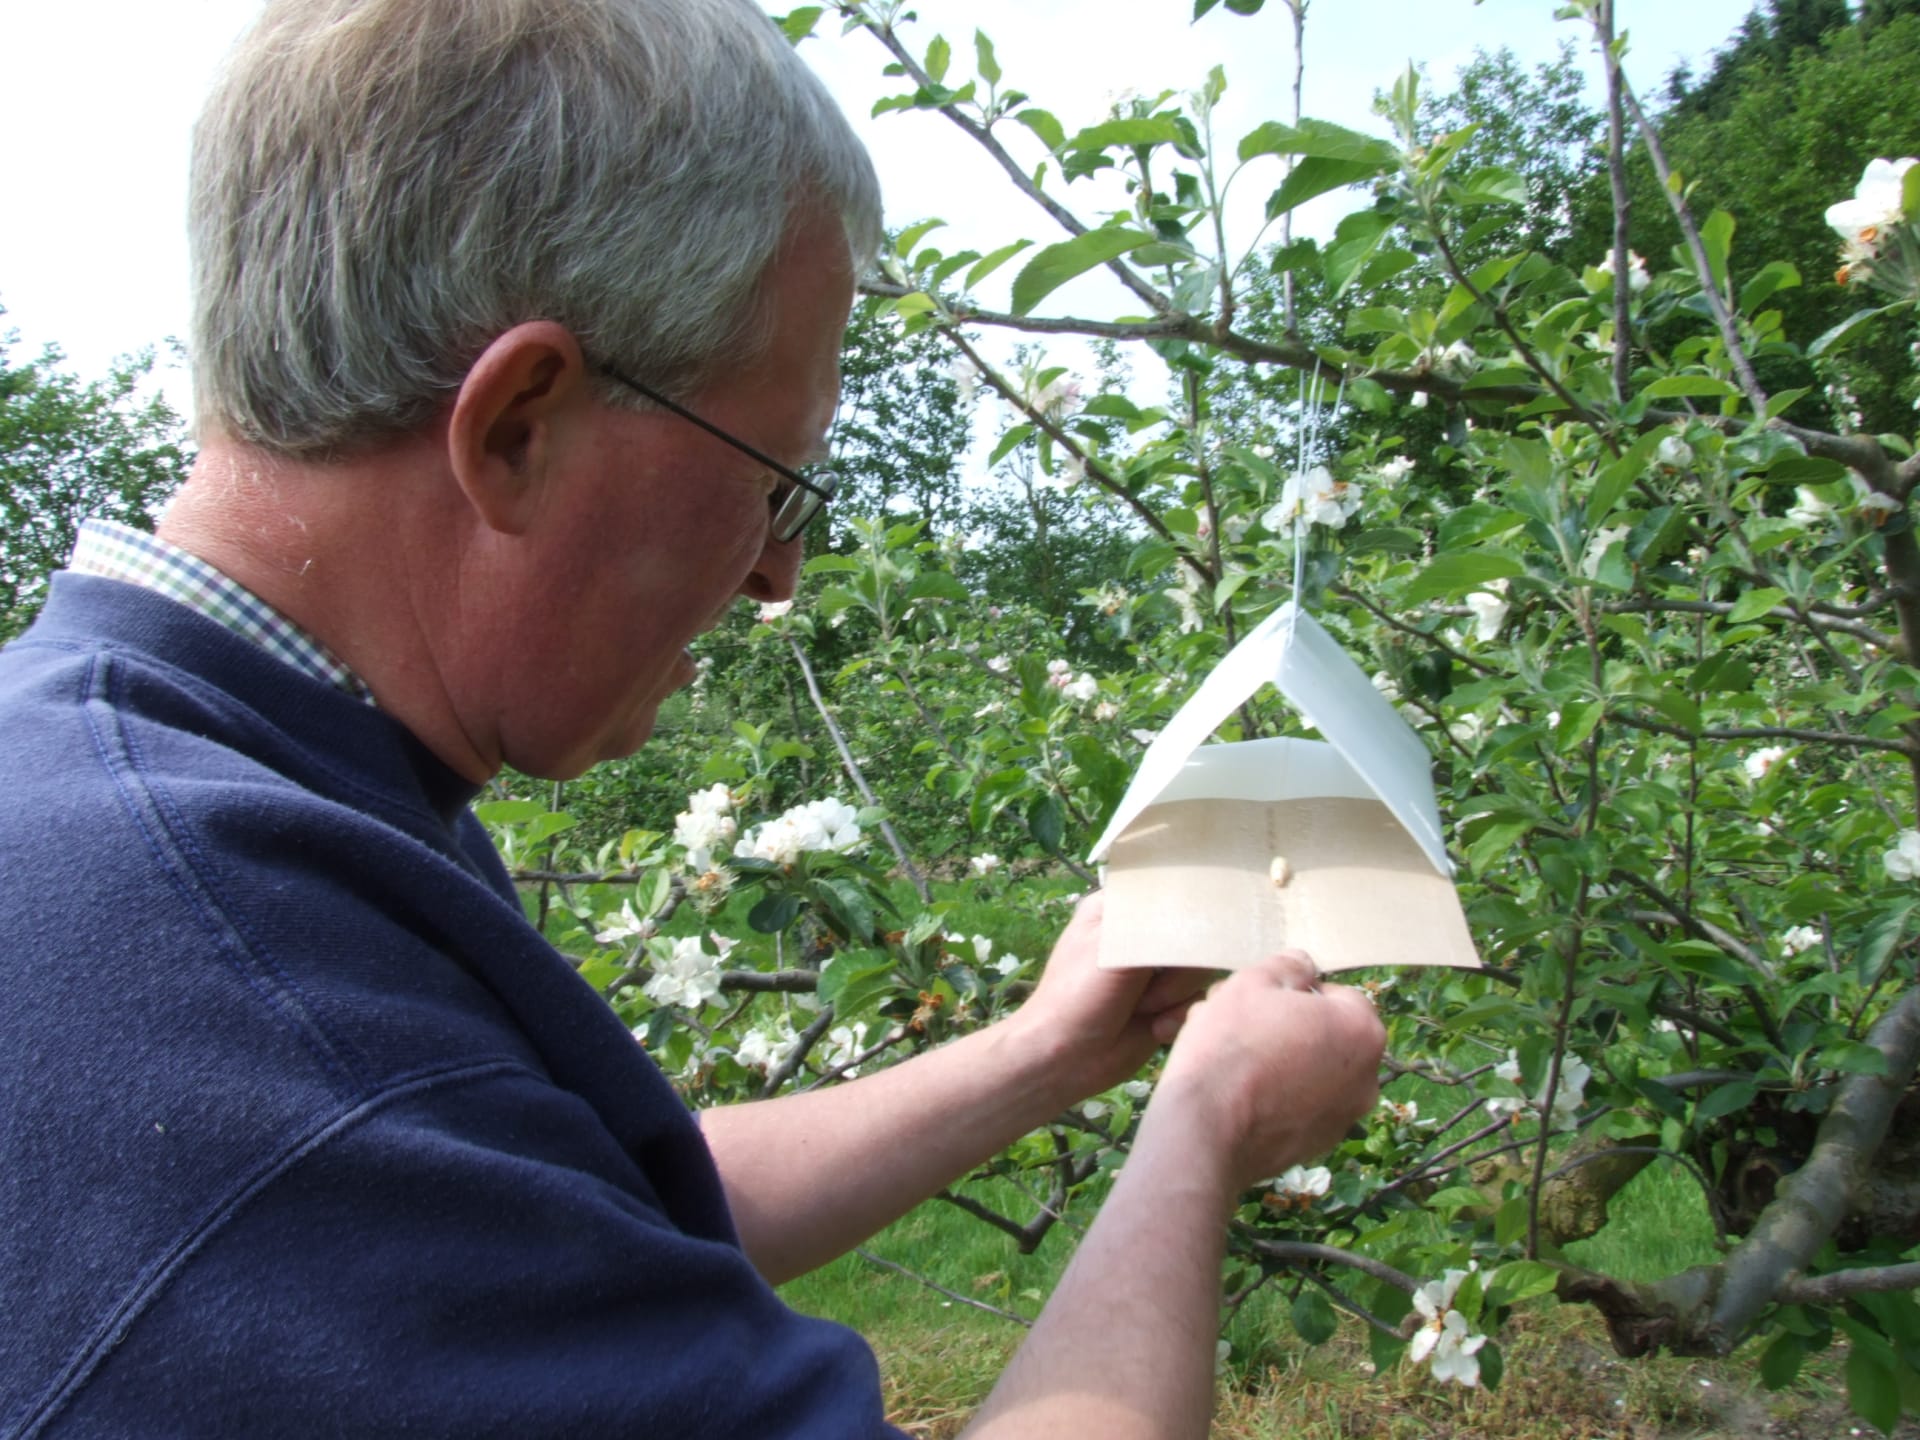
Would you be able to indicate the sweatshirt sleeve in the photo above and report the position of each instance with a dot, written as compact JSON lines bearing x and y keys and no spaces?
{"x":469,"y":1255}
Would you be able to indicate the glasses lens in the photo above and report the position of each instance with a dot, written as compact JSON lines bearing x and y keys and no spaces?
{"x":796,"y":508}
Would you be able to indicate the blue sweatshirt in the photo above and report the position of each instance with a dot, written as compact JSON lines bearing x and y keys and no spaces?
{"x":304,"y":1131}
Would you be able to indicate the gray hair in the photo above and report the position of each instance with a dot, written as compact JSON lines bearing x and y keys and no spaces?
{"x":381,"y":187}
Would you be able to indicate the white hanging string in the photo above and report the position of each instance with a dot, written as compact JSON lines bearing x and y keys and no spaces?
{"x":1307,"y":436}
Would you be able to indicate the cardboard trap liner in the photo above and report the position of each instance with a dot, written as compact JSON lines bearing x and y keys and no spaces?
{"x":1220,"y":855}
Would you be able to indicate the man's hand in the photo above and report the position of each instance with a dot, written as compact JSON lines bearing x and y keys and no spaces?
{"x":1097,"y":1027}
{"x":1273,"y":1066}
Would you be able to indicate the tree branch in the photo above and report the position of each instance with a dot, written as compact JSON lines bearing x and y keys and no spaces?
{"x":1813,"y":1200}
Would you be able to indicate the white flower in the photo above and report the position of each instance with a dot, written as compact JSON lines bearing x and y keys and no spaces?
{"x":1456,"y":359}
{"x":765,"y":1051}
{"x":703,"y":826}
{"x":688,"y":976}
{"x":1317,"y":496}
{"x":1637,"y":277}
{"x":966,"y":380}
{"x":1467,"y":729}
{"x":843,"y":1043}
{"x":1008,"y":964}
{"x":1876,"y":507}
{"x":1763,"y":760}
{"x":1489,"y":609}
{"x":992,"y":707}
{"x":716,"y":799}
{"x":1145,"y":737}
{"x":1105,"y":710}
{"x":1418,"y":400}
{"x":1903,"y":861}
{"x":819,"y":825}
{"x":1602,"y":540}
{"x":1397,"y":468}
{"x":1798,"y":938}
{"x":623,"y":924}
{"x":985,"y":864}
{"x":982,"y":950}
{"x":1058,"y":667}
{"x":1303,"y":1183}
{"x":999,"y":664}
{"x":1674,"y":452}
{"x":1094,"y":1109}
{"x":1383,"y":682}
{"x":1810,"y":510}
{"x":1451,"y":1347}
{"x":774,"y":609}
{"x":1401,"y":1112}
{"x":1444,"y":1337}
{"x":1137,"y":1089}
{"x":1875,"y":206}
{"x":1083,"y":689}
{"x":1235,"y":527}
{"x":1189,"y":608}
{"x":1567,"y":1097}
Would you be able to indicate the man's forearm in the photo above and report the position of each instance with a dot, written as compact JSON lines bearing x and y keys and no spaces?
{"x":810,"y":1176}
{"x":1125,"y":1348}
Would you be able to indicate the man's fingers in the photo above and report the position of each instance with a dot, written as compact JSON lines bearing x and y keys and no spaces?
{"x":1291,"y":969}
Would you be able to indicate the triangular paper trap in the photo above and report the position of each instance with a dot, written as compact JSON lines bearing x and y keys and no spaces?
{"x":1222,"y":854}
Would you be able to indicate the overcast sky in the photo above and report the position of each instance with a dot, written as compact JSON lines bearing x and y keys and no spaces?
{"x":97,"y":100}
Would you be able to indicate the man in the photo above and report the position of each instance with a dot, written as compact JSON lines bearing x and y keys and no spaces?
{"x":306,"y":1131}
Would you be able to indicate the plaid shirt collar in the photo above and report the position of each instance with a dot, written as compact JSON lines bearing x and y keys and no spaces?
{"x":119,"y":552}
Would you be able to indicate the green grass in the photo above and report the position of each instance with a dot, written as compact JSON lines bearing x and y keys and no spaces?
{"x":940,"y":1356}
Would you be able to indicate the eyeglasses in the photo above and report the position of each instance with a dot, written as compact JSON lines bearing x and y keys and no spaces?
{"x":794,"y":504}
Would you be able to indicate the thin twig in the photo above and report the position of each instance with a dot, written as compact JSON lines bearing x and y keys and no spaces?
{"x":919,"y":1279}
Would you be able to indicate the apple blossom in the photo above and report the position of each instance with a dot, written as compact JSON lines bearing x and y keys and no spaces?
{"x":1876,"y":207}
{"x":773,"y":609}
{"x":1105,"y":710}
{"x":1397,"y":468}
{"x":624,"y":924}
{"x":1317,"y":496}
{"x":1903,"y":861}
{"x":1799,"y":937}
{"x":1761,"y":761}
{"x":999,"y":664}
{"x":688,"y":976}
{"x":1082,"y":689}
{"x":1674,"y":452}
{"x":985,"y":864}
{"x":1489,"y":609}
{"x":1637,"y":277}
{"x":1302,"y":1185}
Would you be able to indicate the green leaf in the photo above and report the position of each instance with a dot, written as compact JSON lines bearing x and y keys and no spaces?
{"x":1883,"y":932}
{"x":1521,"y":1280}
{"x":1145,"y":130}
{"x":1317,"y":175}
{"x":508,"y":812}
{"x":1057,"y":264}
{"x":1313,"y":1317}
{"x":1716,"y":238}
{"x":936,"y":585}
{"x":1047,"y":822}
{"x":984,"y":58}
{"x":849,"y":904}
{"x":1725,"y":1100}
{"x":1777,"y":275}
{"x":1577,"y":722}
{"x":1780,"y":1362}
{"x":1615,"y":479}
{"x":1872,"y":1391}
{"x":775,"y":912}
{"x":1838,"y":335}
{"x":1494,"y":185}
{"x":918,"y":303}
{"x":1853,"y":1057}
{"x":1011,"y":440}
{"x":992,"y":262}
{"x":939,"y":55}
{"x":1449,"y":576}
{"x":1754,"y":604}
{"x":1805,"y":470}
{"x":1673,"y":387}
{"x":1494,"y":843}
{"x":797,"y":25}
{"x":913,"y":235}
{"x":1042,"y":123}
{"x":1354,"y":240}
{"x":1320,"y":139}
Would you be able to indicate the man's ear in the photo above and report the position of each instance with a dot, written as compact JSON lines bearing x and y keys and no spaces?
{"x":503,"y":432}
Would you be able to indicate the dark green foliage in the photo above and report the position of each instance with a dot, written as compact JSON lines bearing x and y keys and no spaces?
{"x":70,"y":449}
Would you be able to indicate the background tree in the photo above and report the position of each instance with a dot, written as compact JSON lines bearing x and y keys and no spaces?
{"x":70,"y":449}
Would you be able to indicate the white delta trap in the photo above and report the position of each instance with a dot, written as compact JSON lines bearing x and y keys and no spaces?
{"x":1220,"y":855}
